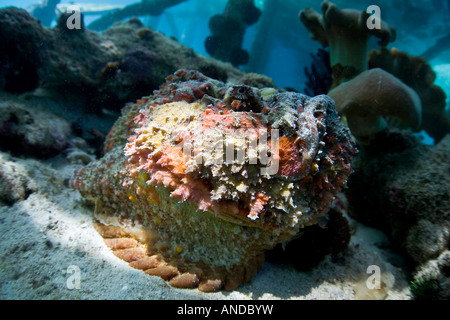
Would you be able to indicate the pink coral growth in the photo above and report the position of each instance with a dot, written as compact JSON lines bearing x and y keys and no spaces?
{"x":257,"y":205}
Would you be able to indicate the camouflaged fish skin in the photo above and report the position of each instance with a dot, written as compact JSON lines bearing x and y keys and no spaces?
{"x":171,"y":201}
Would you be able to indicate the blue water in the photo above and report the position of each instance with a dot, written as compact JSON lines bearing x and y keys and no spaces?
{"x":287,"y":46}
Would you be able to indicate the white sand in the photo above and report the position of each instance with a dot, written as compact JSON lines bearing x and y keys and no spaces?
{"x":42,"y":236}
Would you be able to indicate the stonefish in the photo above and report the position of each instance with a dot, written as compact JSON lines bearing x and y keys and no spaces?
{"x":199,"y":179}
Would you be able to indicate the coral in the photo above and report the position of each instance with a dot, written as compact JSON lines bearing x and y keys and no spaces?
{"x":190,"y":190}
{"x":401,"y":187}
{"x":19,"y":64}
{"x":432,"y":279}
{"x":319,"y":78}
{"x":372,"y":96}
{"x":228,"y":30}
{"x":346,"y":33}
{"x":425,"y":288}
{"x":418,"y":74}
{"x":136,"y":72}
{"x":426,"y":240}
{"x":100,"y":71}
{"x":138,"y":62}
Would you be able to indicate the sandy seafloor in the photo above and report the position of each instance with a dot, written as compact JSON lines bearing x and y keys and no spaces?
{"x":52,"y":229}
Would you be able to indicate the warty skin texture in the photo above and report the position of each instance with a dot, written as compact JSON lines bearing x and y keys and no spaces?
{"x":195,"y":218}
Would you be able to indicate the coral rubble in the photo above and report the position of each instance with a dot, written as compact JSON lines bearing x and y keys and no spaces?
{"x":201,"y":178}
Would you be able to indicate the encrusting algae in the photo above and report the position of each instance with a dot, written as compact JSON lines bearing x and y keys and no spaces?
{"x":201,"y":178}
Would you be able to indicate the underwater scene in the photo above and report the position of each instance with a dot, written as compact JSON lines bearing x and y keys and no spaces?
{"x":224,"y":150}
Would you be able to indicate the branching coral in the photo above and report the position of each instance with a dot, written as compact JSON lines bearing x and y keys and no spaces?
{"x":171,"y":199}
{"x":345,"y":31}
{"x":372,"y":96}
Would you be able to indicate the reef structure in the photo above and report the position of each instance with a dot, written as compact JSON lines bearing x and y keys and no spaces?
{"x":122,"y":64}
{"x":371,"y":97}
{"x":346,"y":32}
{"x":417,"y":73}
{"x":173,"y":200}
{"x":228,"y":31}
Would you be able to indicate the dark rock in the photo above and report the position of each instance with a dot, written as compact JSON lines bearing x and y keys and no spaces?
{"x":402,"y":188}
{"x":29,"y":131}
{"x":92,"y":71}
